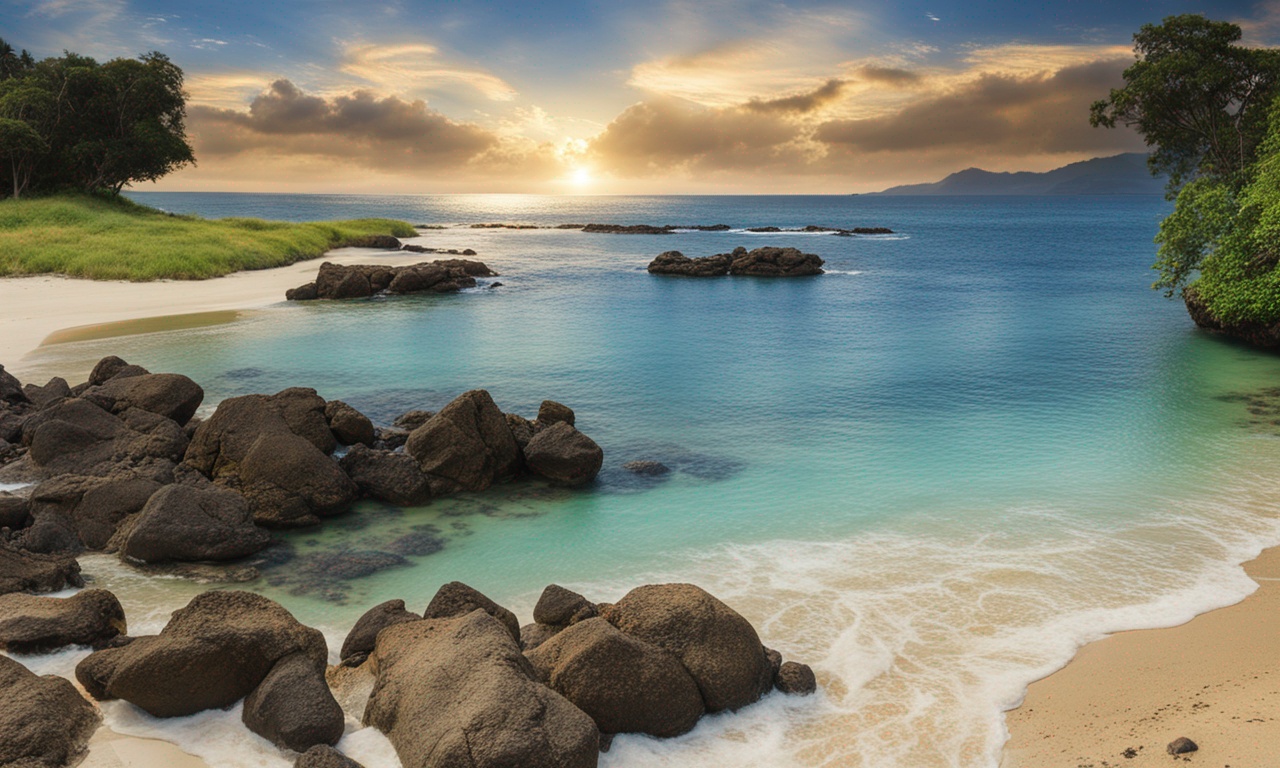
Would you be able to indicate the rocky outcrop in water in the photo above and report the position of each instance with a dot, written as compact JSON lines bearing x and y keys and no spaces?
{"x":360,"y":281}
{"x":32,"y":624}
{"x":122,"y":465}
{"x":1263,"y":335}
{"x":761,"y":262}
{"x":44,"y":721}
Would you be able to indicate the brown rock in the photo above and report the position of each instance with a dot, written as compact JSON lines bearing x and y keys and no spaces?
{"x":292,"y":706}
{"x":551,"y":412}
{"x":387,"y":476}
{"x":44,"y":720}
{"x":194,"y":524}
{"x":564,"y":455}
{"x":364,"y":635}
{"x":795,"y":679}
{"x":22,"y":571}
{"x":171,"y":395}
{"x":31,"y":624}
{"x":457,"y":599}
{"x":467,"y":446}
{"x":348,"y":425}
{"x":562,"y":607}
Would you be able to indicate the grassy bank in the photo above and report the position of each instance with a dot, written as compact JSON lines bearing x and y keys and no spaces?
{"x":117,"y":239}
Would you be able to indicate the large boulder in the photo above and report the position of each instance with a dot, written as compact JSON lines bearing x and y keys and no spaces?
{"x":348,"y":425}
{"x":458,"y":599}
{"x":11,"y":388}
{"x":551,"y":412}
{"x":561,"y":607}
{"x":387,"y":476}
{"x":292,"y":706}
{"x":23,"y":571}
{"x":364,"y":635}
{"x":563,"y":455}
{"x":676,"y":263}
{"x":193,"y":524}
{"x":775,"y":262}
{"x":171,"y":395}
{"x":44,"y":721}
{"x":76,"y":436}
{"x":716,"y":644}
{"x":624,"y":684}
{"x":56,"y":389}
{"x":458,"y":692}
{"x":31,"y":624}
{"x":274,"y":449}
{"x":467,"y":446}
{"x":324,"y":756}
{"x":80,"y":510}
{"x":210,"y":655}
{"x":108,"y":368}
{"x":15,"y":511}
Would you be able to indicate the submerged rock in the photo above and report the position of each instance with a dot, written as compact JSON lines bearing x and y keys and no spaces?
{"x":458,"y":692}
{"x":45,"y":722}
{"x":31,"y":624}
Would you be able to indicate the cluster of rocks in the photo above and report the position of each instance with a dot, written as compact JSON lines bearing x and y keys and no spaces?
{"x":119,"y":464}
{"x":761,"y":262}
{"x":392,"y":243}
{"x":814,"y":229}
{"x":360,"y":281}
{"x":460,"y":684}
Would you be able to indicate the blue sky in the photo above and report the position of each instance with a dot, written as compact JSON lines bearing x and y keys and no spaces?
{"x":677,"y":96}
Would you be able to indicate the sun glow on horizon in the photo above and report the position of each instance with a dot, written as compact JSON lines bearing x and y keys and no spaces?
{"x":581,"y":176}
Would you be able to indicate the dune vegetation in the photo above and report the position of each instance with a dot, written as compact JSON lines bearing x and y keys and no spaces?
{"x":113,"y":238}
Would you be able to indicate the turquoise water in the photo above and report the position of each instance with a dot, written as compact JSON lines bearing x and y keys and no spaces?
{"x":932,"y":472}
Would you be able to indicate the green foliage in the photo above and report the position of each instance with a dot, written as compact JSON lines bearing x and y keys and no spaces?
{"x":104,"y":125}
{"x":112,"y":238}
{"x":1203,"y":215}
{"x":1198,"y":98}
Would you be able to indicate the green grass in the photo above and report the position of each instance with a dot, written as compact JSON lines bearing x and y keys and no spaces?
{"x":106,"y":238}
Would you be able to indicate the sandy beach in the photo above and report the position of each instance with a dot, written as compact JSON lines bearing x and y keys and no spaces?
{"x":40,"y":307}
{"x":1124,"y":698}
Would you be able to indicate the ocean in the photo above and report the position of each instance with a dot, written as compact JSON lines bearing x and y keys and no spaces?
{"x":931,"y":473}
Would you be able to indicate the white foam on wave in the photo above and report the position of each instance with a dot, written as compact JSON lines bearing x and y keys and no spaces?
{"x":923,"y":637}
{"x":11,"y":487}
{"x":842,"y":271}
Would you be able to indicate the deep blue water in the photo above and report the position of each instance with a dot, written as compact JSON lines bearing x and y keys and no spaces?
{"x":910,"y":471}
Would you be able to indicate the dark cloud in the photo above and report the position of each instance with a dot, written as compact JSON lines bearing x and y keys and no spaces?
{"x":665,"y":135}
{"x":361,"y":127}
{"x":1047,"y":113}
{"x":802,"y":103}
{"x":889,"y":75}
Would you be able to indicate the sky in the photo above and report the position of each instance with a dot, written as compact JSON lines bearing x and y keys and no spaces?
{"x":624,"y":97}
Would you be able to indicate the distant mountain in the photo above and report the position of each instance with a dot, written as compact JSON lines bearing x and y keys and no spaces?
{"x":1125,"y":174}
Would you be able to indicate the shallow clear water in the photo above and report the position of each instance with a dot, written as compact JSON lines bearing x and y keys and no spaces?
{"x":931,"y":473}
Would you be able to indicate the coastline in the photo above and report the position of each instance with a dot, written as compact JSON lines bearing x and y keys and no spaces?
{"x":1122,"y":699}
{"x":47,"y":308}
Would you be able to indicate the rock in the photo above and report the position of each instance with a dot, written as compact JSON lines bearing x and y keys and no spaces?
{"x":1182,"y":745}
{"x":75,"y":511}
{"x":676,"y":263}
{"x":304,"y":292}
{"x":647,"y":468}
{"x":551,"y":412}
{"x":775,"y":262}
{"x":387,"y":476}
{"x":363,"y":636}
{"x":564,"y":455}
{"x":56,"y":389}
{"x":15,"y":511}
{"x":45,"y":721}
{"x":534,"y":635}
{"x":390,"y":438}
{"x":304,"y":412}
{"x":562,"y":607}
{"x":621,"y":229}
{"x":22,"y":571}
{"x":11,"y":422}
{"x":324,"y":756}
{"x":348,"y":425}
{"x":75,"y":436}
{"x":775,"y":662}
{"x":194,"y":524}
{"x":292,"y":706}
{"x":374,"y":241}
{"x":467,"y":446}
{"x":718,"y":646}
{"x":521,"y":428}
{"x":457,"y":599}
{"x":412,"y":419}
{"x":335,"y":282}
{"x":171,"y":395}
{"x":31,"y":624}
{"x":106,"y":369}
{"x":11,"y":389}
{"x":795,"y":679}
{"x":458,"y":692}
{"x":99,"y":512}
{"x":210,"y":655}
{"x":624,"y":684}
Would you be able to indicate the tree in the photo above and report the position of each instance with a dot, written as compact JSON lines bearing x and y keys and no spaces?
{"x":1198,"y":99}
{"x":20,"y":146}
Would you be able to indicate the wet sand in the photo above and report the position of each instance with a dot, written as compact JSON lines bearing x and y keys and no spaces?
{"x":1122,"y":699}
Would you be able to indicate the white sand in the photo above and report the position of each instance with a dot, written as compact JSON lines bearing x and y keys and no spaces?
{"x":33,"y":308}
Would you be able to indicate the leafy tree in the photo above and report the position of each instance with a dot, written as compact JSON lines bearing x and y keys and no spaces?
{"x":21,"y":147}
{"x":1196,"y":96}
{"x":1203,"y":215}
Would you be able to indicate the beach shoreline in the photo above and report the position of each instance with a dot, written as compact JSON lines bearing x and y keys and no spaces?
{"x":41,"y":309}
{"x":1122,"y":699}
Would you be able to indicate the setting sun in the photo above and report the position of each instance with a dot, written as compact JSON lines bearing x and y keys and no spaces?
{"x":581,"y":177}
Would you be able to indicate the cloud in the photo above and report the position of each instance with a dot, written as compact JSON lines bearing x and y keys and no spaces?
{"x":416,"y":68}
{"x":802,"y":103}
{"x":1007,"y":113}
{"x":888,"y":75}
{"x":360,"y":127}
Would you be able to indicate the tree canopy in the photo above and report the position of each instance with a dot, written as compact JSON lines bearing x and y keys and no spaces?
{"x":72,"y":123}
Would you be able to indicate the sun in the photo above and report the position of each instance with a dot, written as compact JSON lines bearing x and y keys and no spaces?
{"x":581,"y":176}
